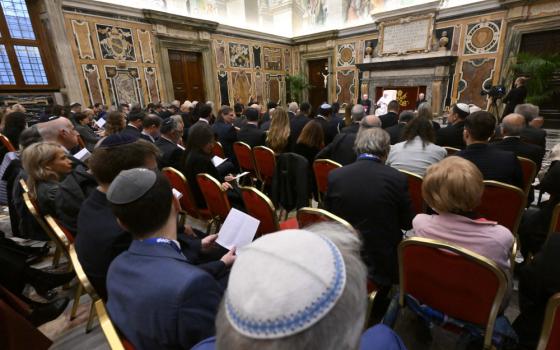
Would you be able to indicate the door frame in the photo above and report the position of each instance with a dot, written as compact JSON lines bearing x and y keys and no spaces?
{"x":304,"y":68}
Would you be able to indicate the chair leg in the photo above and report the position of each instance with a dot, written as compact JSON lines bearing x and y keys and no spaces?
{"x":91,"y":316}
{"x":56,"y":257}
{"x":77,"y":296}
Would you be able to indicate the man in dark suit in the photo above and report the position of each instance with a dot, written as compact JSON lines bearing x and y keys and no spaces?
{"x":396,"y":131}
{"x":153,"y":280}
{"x":374,"y":198}
{"x":366,"y":103}
{"x":323,"y":119}
{"x":135,"y":121}
{"x":341,"y":150}
{"x":531,"y":133}
{"x":225,"y":131}
{"x":452,"y":135}
{"x":168,"y":144}
{"x":511,"y":130}
{"x":298,"y":122}
{"x":493,"y":163}
{"x":515,"y":96}
{"x":151,"y":127}
{"x":357,"y":113}
{"x":421,"y":99}
{"x":250,"y":132}
{"x":392,"y":116}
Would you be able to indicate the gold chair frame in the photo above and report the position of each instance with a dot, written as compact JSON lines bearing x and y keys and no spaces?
{"x":554,"y":219}
{"x":252,"y":159}
{"x":268,"y":202}
{"x":533,"y":173}
{"x":7,"y":143}
{"x":107,"y":326}
{"x":550,"y":314}
{"x":218,"y":220}
{"x":257,"y":170}
{"x":324,"y":213}
{"x":515,"y":189}
{"x":472,"y":256}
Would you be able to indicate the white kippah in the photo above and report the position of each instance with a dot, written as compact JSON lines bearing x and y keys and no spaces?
{"x":464,"y":107}
{"x":283,"y":283}
{"x":325,"y":106}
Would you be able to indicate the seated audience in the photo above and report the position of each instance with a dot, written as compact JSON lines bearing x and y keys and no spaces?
{"x":151,"y":127}
{"x":88,"y":135}
{"x":293,"y":108}
{"x":374,"y":198}
{"x":135,"y":122}
{"x":203,"y":112}
{"x":275,"y":319}
{"x":417,"y":151}
{"x":453,"y":188}
{"x":322,"y":116}
{"x":310,"y":141}
{"x":279,"y":134}
{"x":452,"y":134}
{"x":267,"y":116}
{"x":13,"y":125}
{"x":153,"y":280}
{"x":425,"y":111}
{"x":45,"y":164}
{"x":357,"y":114}
{"x":493,"y":163}
{"x":61,"y":131}
{"x":168,"y":143}
{"x":225,"y":131}
{"x":240,"y":118}
{"x":538,"y":281}
{"x":298,"y":122}
{"x":334,"y":122}
{"x":250,"y":132}
{"x":116,"y":122}
{"x":396,"y":131}
{"x":392,"y":116}
{"x":531,"y":133}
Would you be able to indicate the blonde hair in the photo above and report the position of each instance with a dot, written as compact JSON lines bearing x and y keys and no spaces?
{"x":35,"y":159}
{"x":279,"y":131}
{"x":453,"y":185}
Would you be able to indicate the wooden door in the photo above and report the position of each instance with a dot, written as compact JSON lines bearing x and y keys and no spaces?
{"x":317,"y":92}
{"x":187,"y":75}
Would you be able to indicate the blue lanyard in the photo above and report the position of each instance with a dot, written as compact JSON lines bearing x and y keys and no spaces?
{"x":159,"y":240}
{"x":369,"y":157}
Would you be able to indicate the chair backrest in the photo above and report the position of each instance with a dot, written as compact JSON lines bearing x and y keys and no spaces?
{"x":550,"y":333}
{"x":529,"y":169}
{"x":555,"y":221}
{"x":7,"y":143}
{"x":321,"y":169}
{"x":259,"y":206}
{"x":502,"y":203}
{"x":470,"y":288}
{"x":63,"y":235}
{"x":179,"y":182}
{"x":309,"y":216}
{"x":111,"y":333}
{"x":33,"y":208}
{"x":415,"y":191}
{"x":215,"y":197}
{"x":265,"y":162}
{"x":82,"y":277}
{"x":244,"y":156}
{"x":218,"y":150}
{"x":23,"y":185}
{"x":451,"y":150}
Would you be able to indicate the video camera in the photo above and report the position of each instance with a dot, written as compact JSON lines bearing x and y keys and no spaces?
{"x":494,"y":91}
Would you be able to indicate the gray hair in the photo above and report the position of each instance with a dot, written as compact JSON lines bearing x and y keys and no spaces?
{"x":179,"y":120}
{"x":374,"y":141}
{"x":528,"y":111}
{"x":370,"y":121}
{"x":327,"y":334}
{"x":357,"y":113}
{"x":513,"y":124}
{"x":293,"y":107}
{"x":425,"y":110}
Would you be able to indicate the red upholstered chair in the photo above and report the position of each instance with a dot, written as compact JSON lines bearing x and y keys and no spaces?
{"x":265,"y":162}
{"x":555,"y":221}
{"x":451,"y":150}
{"x":529,"y":169}
{"x":245,"y":159}
{"x":309,"y":216}
{"x":550,"y":334}
{"x":259,"y":206}
{"x":415,"y":191}
{"x":215,"y":197}
{"x":456,"y":289}
{"x":218,"y":150}
{"x":321,"y":169}
{"x":7,"y":144}
{"x":502,"y":203}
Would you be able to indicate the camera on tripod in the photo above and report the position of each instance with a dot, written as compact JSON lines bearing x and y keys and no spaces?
{"x":494,"y":91}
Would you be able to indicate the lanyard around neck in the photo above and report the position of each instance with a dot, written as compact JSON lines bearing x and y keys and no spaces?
{"x":369,"y":157}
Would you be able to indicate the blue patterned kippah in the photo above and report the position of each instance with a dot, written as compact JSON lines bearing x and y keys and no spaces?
{"x":284,"y":283}
{"x":117,"y":139}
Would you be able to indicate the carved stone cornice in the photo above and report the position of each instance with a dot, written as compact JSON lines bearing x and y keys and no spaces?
{"x":172,"y":20}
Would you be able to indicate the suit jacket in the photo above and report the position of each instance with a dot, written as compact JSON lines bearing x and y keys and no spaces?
{"x":199,"y":163}
{"x":324,"y":124}
{"x":132,"y":131}
{"x":514,"y":97}
{"x":160,"y":301}
{"x":451,"y":136}
{"x":351,"y":129}
{"x":171,"y":154}
{"x":389,"y":119}
{"x":521,"y":149}
{"x":266,"y":125}
{"x":227,"y":135}
{"x":534,"y":136}
{"x":88,"y":135}
{"x":341,"y":150}
{"x":395,"y":132}
{"x":251,"y":135}
{"x":374,"y":198}
{"x":297,"y":124}
{"x":494,"y":164}
{"x":333,"y":128}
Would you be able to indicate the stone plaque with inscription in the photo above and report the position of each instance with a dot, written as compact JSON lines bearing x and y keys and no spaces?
{"x":406,"y":35}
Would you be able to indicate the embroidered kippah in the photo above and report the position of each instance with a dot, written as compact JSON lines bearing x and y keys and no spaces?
{"x":117,"y":139}
{"x":284,"y":283}
{"x":130,"y":185}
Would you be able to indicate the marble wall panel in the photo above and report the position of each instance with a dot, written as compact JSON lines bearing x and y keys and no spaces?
{"x":151,"y":78}
{"x":239,"y":55}
{"x":223,"y":83}
{"x":345,"y":86}
{"x":93,"y":83}
{"x":220,"y":53}
{"x":115,"y":43}
{"x":257,"y":56}
{"x":145,"y":41}
{"x":272,"y":58}
{"x":474,"y":73}
{"x":241,"y":86}
{"x":259,"y":87}
{"x":82,"y":37}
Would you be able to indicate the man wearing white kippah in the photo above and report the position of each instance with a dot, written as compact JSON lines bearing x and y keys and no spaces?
{"x":452,"y":135}
{"x":280,"y":296}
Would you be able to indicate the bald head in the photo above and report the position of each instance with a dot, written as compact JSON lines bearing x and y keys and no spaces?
{"x":357,"y":113}
{"x":61,"y":131}
{"x":512,"y":124}
{"x":370,"y":121}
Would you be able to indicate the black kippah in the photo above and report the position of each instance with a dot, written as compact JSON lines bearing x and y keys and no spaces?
{"x":117,"y":139}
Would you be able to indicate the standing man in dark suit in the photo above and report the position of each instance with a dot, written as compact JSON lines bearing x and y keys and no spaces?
{"x":168,"y":144}
{"x":530,"y":133}
{"x":153,"y":280}
{"x":250,"y":132}
{"x":299,"y":121}
{"x":493,"y":163}
{"x":515,"y":96}
{"x":392,"y":116}
{"x":395,"y":131}
{"x":421,"y":99}
{"x":366,"y":103}
{"x":374,"y":198}
{"x":452,"y":135}
{"x":135,"y":121}
{"x":225,"y":131}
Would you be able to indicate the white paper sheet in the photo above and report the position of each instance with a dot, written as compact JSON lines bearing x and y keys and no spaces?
{"x":239,"y":176}
{"x":100,"y":122}
{"x":177,"y":194}
{"x":83,"y":155}
{"x":217,"y":161}
{"x":238,"y":230}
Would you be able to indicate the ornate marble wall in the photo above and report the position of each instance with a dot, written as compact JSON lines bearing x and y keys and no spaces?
{"x":115,"y":60}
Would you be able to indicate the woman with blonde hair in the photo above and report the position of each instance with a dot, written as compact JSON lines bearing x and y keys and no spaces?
{"x":45,"y":164}
{"x":279,"y":132}
{"x":453,"y":188}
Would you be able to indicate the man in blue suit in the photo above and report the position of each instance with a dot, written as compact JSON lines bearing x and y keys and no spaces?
{"x":157,"y":299}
